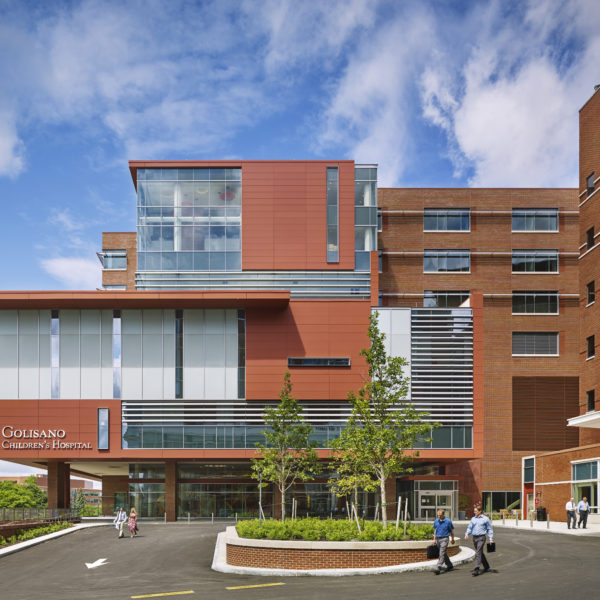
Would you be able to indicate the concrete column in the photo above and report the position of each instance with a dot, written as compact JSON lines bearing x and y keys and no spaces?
{"x":171,"y":490}
{"x":59,"y":485}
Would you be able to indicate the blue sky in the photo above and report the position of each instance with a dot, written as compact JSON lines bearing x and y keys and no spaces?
{"x":438,"y":93}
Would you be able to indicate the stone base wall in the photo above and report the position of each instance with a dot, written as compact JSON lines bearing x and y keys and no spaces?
{"x":301,"y":559}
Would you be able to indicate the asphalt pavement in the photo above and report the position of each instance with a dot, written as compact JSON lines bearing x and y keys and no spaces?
{"x":173,"y":561}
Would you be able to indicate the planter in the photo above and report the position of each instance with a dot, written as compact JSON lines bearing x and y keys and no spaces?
{"x":301,"y":555}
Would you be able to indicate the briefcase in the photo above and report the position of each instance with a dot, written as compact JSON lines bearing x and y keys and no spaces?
{"x":491,"y":547}
{"x":433,"y":551}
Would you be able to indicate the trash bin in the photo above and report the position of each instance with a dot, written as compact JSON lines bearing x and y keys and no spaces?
{"x":541,"y":514}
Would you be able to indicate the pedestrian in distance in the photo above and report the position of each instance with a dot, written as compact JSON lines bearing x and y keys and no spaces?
{"x":583,"y":508}
{"x":119,"y":521}
{"x":443,"y":531}
{"x":571,"y":509}
{"x":133,"y":526}
{"x":480,"y":526}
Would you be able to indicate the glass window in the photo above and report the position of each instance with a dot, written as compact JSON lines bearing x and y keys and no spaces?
{"x":534,"y":342}
{"x":591,"y":400}
{"x":589,"y":183}
{"x":116,"y":353}
{"x":146,"y":471}
{"x":591,"y":292}
{"x":535,"y":219}
{"x":333,"y":254}
{"x":586,"y":470}
{"x":103,"y":429}
{"x":179,"y":355}
{"x":437,"y":219}
{"x":590,"y":346}
{"x":444,"y":299}
{"x":54,"y":354}
{"x":590,"y":238}
{"x":318,"y":362}
{"x":529,"y":470}
{"x":446,"y":261}
{"x":534,"y":302}
{"x":535,"y":261}
{"x":113,"y":259}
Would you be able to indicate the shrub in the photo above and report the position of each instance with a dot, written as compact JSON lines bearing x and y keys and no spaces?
{"x":28,"y":534}
{"x":313,"y":529}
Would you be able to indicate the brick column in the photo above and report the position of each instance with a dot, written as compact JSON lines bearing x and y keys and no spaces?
{"x":59,"y":485}
{"x":171,"y":490}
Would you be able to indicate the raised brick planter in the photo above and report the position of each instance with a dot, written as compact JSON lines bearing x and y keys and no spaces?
{"x":299,"y":555}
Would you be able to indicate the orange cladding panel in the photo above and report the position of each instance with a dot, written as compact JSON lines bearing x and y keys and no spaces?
{"x":307,"y":328}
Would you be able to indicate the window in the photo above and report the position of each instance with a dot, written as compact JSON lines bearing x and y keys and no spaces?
{"x":178,"y":353}
{"x":447,"y":261}
{"x":318,"y":362}
{"x":589,"y":183}
{"x":590,"y":346}
{"x":333,"y":252}
{"x":116,"y":339}
{"x":589,"y":238}
{"x":379,"y":220}
{"x":368,"y":219}
{"x":438,"y":219}
{"x":444,"y":299}
{"x":535,"y":261}
{"x":525,"y":343}
{"x":54,"y":354}
{"x":534,"y":302}
{"x":586,"y":470}
{"x":113,"y":259}
{"x":529,"y":470}
{"x":108,"y":288}
{"x":103,"y":429}
{"x":535,"y":219}
{"x":591,"y":292}
{"x":591,"y":400}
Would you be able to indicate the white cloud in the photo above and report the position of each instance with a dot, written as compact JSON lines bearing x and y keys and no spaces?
{"x":64,"y":219}
{"x":8,"y":469}
{"x":510,"y":109}
{"x":12,"y":150}
{"x":74,"y":273}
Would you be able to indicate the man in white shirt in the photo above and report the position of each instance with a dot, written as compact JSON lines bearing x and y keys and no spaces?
{"x":583,"y":508}
{"x":571,"y":507}
{"x":119,"y":521}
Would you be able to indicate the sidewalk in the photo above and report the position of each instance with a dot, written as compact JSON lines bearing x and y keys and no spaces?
{"x":549,"y":526}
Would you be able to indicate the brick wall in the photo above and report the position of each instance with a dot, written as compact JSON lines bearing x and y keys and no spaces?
{"x":289,"y":558}
{"x":490,"y":274}
{"x":121,"y":241}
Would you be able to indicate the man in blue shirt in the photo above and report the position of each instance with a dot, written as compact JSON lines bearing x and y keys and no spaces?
{"x":443,"y":530}
{"x":479,"y":526}
{"x":583,"y":508}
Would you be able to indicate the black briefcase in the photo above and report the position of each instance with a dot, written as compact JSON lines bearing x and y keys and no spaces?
{"x":491,"y":547}
{"x":433,"y":551}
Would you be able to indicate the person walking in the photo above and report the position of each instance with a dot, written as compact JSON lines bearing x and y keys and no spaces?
{"x":119,"y":521}
{"x":133,"y":527}
{"x":571,"y":509}
{"x":443,"y":530}
{"x":583,"y":508}
{"x":480,"y":526}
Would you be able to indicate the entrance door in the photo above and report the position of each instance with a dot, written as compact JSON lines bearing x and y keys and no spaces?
{"x":430,"y":502}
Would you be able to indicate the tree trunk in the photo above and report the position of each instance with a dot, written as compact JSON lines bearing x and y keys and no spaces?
{"x":283,"y":504}
{"x":383,"y":502}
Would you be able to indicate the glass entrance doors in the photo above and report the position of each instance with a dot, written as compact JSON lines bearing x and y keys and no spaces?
{"x":431,"y":501}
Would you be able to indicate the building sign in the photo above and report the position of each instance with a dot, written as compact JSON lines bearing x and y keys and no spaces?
{"x":38,"y":439}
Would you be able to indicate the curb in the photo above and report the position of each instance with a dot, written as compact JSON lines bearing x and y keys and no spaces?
{"x":220,"y":564}
{"x":44,"y":538}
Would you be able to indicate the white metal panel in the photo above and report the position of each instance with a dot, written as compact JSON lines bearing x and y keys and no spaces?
{"x":91,"y":373}
{"x":8,"y":322}
{"x":193,"y":321}
{"x":9,"y":364}
{"x":169,"y":360}
{"x":231,"y":383}
{"x":69,"y":377}
{"x":69,"y":322}
{"x":194,"y":348}
{"x":214,"y":384}
{"x":131,"y":370}
{"x":152,"y":321}
{"x":28,"y":366}
{"x":215,"y":321}
{"x":131,"y":321}
{"x":152,"y":364}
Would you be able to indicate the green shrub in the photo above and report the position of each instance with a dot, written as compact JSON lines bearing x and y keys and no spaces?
{"x":28,"y":534}
{"x":313,"y":529}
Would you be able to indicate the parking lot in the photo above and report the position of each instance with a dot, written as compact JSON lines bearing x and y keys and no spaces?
{"x":173,"y":561}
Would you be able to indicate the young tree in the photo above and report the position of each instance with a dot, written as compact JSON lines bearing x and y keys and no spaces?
{"x":28,"y":495}
{"x":287,"y":456}
{"x":38,"y":495}
{"x":382,"y":425}
{"x":79,"y":501}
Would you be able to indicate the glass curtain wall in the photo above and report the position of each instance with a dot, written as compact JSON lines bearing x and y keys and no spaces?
{"x":189,"y":219}
{"x":365,"y":215}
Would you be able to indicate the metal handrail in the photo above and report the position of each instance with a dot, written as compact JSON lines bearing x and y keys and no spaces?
{"x":15,"y":515}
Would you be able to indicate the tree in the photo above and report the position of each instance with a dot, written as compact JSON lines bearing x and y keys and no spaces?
{"x":27,"y":495}
{"x":79,"y":501}
{"x":288,"y":455}
{"x":382,"y":425}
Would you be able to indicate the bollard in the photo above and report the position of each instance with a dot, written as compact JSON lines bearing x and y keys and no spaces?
{"x":503,"y":523}
{"x":188,"y":518}
{"x":531,"y":520}
{"x":236,"y":517}
{"x":547,"y":520}
{"x":212,"y":517}
{"x":165,"y":517}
